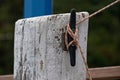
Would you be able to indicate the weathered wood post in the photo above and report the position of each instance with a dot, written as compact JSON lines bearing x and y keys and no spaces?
{"x":38,"y":50}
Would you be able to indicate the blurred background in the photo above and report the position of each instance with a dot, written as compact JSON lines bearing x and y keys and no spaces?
{"x":103,"y":37}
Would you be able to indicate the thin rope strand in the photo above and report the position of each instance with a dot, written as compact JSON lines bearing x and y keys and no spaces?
{"x":86,"y":65}
{"x":100,"y":10}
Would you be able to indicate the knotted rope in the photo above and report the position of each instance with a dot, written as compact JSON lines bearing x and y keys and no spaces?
{"x":75,"y":42}
{"x":75,"y":35}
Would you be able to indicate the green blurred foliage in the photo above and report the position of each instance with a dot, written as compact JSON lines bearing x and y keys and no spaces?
{"x":10,"y":11}
{"x":103,"y":38}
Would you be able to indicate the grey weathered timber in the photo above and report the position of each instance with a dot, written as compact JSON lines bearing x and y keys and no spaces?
{"x":38,"y":49}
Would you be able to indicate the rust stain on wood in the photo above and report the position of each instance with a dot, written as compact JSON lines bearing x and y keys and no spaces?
{"x":83,"y":15}
{"x":63,"y":42}
{"x":41,"y":64}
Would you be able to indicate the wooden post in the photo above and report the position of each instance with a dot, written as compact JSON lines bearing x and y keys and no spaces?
{"x":38,"y":50}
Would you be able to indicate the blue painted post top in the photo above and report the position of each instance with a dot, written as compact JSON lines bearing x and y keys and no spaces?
{"x":34,"y":8}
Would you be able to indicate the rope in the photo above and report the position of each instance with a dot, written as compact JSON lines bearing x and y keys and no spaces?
{"x":76,"y":42}
{"x":100,"y":10}
{"x":75,"y":35}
